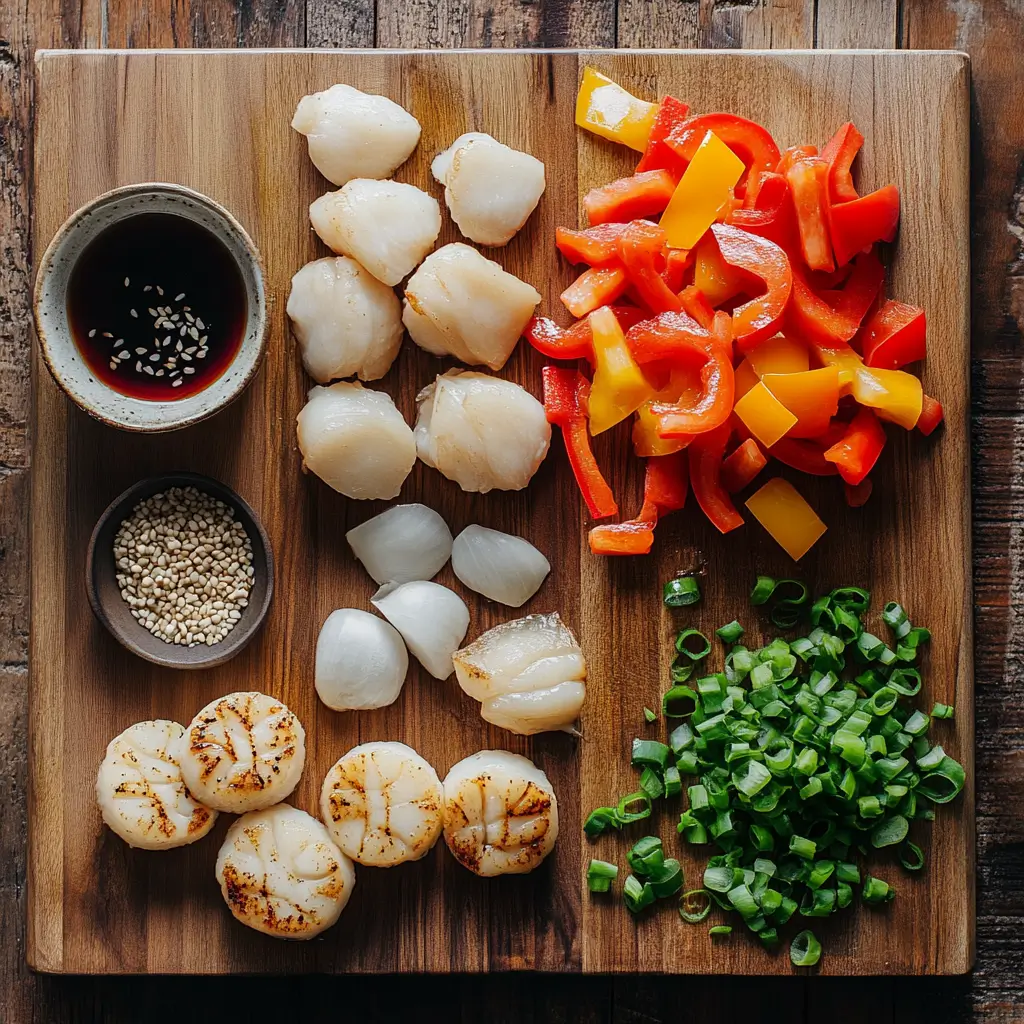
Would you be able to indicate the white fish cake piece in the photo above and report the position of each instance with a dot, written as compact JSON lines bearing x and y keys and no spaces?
{"x":242,"y":752}
{"x":490,"y":188}
{"x":383,"y":804}
{"x":355,"y":440}
{"x":140,"y":791}
{"x":387,"y":226}
{"x":353,"y":134}
{"x":461,"y":304}
{"x":500,"y":813}
{"x":281,"y":873}
{"x":347,"y":323}
{"x":528,"y":674}
{"x":483,"y":432}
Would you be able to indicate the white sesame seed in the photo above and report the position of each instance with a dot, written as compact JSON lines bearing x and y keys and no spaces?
{"x":148,"y":369}
{"x":107,"y":334}
{"x":176,"y":383}
{"x":126,"y":282}
{"x":184,"y":328}
{"x":92,"y":333}
{"x":186,"y":357}
{"x":134,"y":313}
{"x":114,"y":364}
{"x":154,"y":357}
{"x":179,"y":296}
{"x":119,"y":342}
{"x":201,"y":354}
{"x":200,"y":324}
{"x":138,"y":366}
{"x":190,"y":318}
{"x":123,"y":355}
{"x":140,"y":351}
{"x":189,"y":351}
{"x":194,"y":333}
{"x":152,"y":312}
{"x":159,"y":373}
{"x":190,"y":369}
{"x":178,"y":347}
{"x":148,"y":288}
{"x":159,"y":290}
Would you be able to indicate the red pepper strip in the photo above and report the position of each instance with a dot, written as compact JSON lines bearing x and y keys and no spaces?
{"x":574,"y":342}
{"x":742,"y":466}
{"x":670,"y":336}
{"x":598,"y":286}
{"x":808,"y":180}
{"x":705,"y":457}
{"x":771,"y":214}
{"x":594,"y":246}
{"x":642,"y":195}
{"x":895,"y":336}
{"x":857,"y":495}
{"x":639,"y":247}
{"x":857,"y":225}
{"x":805,"y":456}
{"x":840,"y":151}
{"x":931,"y":415}
{"x":758,"y":319}
{"x":565,"y":403}
{"x":862,"y":287}
{"x":695,"y":303}
{"x":810,"y":317}
{"x":634,"y":537}
{"x":658,"y":156}
{"x":747,"y":139}
{"x":857,"y":452}
{"x":677,"y":262}
{"x":791,"y":155}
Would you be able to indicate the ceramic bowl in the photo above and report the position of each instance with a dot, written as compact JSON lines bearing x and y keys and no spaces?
{"x":61,"y":354}
{"x":110,"y":608}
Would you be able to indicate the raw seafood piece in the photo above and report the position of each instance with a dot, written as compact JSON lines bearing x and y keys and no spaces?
{"x":142,"y":796}
{"x":356,"y":441}
{"x":361,"y":661}
{"x":483,"y":432}
{"x":386,"y":225}
{"x":281,"y":873}
{"x":462,"y":304}
{"x":403,"y":543}
{"x":529,"y":674}
{"x":242,"y":752}
{"x":383,"y":804}
{"x":498,"y":565}
{"x":500,"y":813}
{"x":347,"y":323}
{"x":353,"y":134}
{"x":490,"y":189}
{"x":432,"y":620}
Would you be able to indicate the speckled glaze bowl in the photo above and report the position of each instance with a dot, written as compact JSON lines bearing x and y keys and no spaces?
{"x":62,"y":356}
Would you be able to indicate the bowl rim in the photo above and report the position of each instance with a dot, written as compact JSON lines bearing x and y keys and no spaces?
{"x":45,"y":266}
{"x":237,"y":640}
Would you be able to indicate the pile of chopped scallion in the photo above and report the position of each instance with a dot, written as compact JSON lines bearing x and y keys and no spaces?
{"x":806,"y":755}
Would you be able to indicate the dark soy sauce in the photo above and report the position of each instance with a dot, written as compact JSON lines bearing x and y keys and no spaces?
{"x":188,"y":299}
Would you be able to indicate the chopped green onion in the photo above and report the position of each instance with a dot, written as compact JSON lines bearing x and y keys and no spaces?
{"x":650,"y":753}
{"x":805,"y":949}
{"x":651,"y":784}
{"x":890,"y":832}
{"x":911,"y":856}
{"x":681,"y":670}
{"x":679,"y":702}
{"x":681,"y":592}
{"x":667,"y":880}
{"x":720,"y":931}
{"x":673,"y":783}
{"x":730,"y":632}
{"x":763,"y":590}
{"x":943,"y":784}
{"x":624,"y":812}
{"x":693,"y":644}
{"x":600,"y":820}
{"x":802,"y":847}
{"x":877,"y":891}
{"x":896,"y":619}
{"x":646,"y":855}
{"x":942,"y":711}
{"x":637,"y":895}
{"x":600,"y":875}
{"x":694,"y":906}
{"x":649,"y":715}
{"x":680,"y":738}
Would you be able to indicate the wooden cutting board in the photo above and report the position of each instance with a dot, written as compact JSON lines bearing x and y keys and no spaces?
{"x":219,"y":122}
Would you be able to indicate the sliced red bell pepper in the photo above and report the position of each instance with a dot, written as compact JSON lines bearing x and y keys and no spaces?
{"x":575,"y":342}
{"x":894,"y":336}
{"x":857,"y":452}
{"x":806,"y":456}
{"x":839,"y":152}
{"x":858,"y":494}
{"x":810,"y":317}
{"x":760,"y":318}
{"x":770,"y":214}
{"x":862,"y":288}
{"x":640,"y":246}
{"x":594,"y":246}
{"x":742,"y":466}
{"x":808,"y":181}
{"x":751,"y":142}
{"x":642,"y":195}
{"x":677,"y":263}
{"x":633,"y":537}
{"x":674,"y":337}
{"x":791,"y":155}
{"x":658,"y":156}
{"x":695,"y":303}
{"x":598,"y":286}
{"x":857,"y":225}
{"x":931,"y":416}
{"x":705,"y":458}
{"x":565,"y":403}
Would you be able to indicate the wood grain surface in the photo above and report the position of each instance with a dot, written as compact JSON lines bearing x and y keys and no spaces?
{"x":992,"y":31}
{"x":219,"y":122}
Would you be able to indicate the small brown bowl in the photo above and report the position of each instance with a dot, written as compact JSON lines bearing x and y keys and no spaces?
{"x":114,"y":613}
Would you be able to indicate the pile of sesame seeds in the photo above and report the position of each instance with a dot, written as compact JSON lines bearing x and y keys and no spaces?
{"x":184,"y":566}
{"x":180,"y":327}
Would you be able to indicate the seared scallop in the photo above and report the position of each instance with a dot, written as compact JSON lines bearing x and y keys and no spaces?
{"x":242,"y":752}
{"x":500,"y":813}
{"x":142,"y":796}
{"x":281,"y":873}
{"x":353,"y":134}
{"x":386,"y":225}
{"x":347,"y":323}
{"x":383,"y":804}
{"x":461,"y":304}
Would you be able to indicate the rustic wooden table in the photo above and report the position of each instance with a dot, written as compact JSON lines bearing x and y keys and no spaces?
{"x":992,"y":31}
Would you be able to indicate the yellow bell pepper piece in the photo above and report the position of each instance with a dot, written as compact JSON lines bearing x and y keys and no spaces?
{"x":619,"y":387}
{"x":712,"y":275}
{"x":745,"y":378}
{"x":847,"y":361}
{"x":764,"y":415}
{"x":780,"y":509}
{"x":705,"y":187}
{"x":895,"y":395}
{"x":646,"y":442}
{"x":606,"y":109}
{"x":779,"y":355}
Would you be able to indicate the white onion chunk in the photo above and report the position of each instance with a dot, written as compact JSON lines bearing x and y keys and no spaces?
{"x":498,"y":565}
{"x":405,"y":543}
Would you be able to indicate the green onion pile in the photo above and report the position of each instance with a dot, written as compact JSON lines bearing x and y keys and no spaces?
{"x":806,"y":754}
